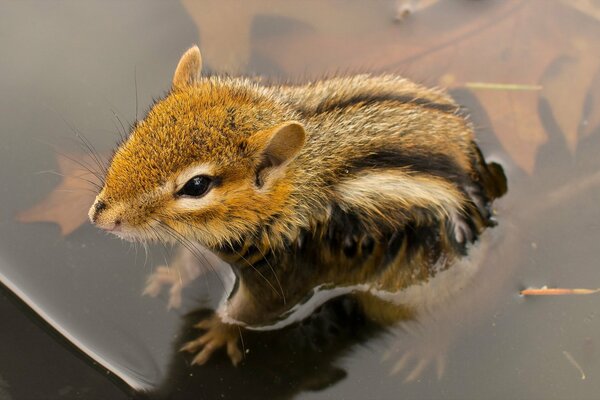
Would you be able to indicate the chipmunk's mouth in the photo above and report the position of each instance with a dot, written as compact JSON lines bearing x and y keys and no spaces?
{"x":144,"y":234}
{"x":129,"y":237}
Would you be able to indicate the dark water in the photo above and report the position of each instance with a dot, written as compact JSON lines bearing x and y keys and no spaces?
{"x":76,"y":64}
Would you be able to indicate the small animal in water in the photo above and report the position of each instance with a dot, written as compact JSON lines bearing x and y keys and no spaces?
{"x":357,"y":175}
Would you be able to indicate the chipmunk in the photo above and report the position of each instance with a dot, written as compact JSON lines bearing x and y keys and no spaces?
{"x":338,"y":180}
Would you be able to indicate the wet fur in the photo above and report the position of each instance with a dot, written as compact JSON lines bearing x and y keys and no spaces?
{"x":364,"y":177}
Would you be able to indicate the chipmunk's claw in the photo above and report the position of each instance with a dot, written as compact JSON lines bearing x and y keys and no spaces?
{"x":165,"y":276}
{"x":217,"y":335}
{"x":183,"y":269}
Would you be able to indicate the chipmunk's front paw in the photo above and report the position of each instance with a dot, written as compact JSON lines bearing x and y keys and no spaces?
{"x":165,"y":276}
{"x":183,"y":269}
{"x":217,"y":335}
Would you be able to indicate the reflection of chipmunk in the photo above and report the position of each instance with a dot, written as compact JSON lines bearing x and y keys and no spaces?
{"x":336,"y":181}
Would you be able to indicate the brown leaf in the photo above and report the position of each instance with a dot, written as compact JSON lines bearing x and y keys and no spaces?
{"x":591,"y":117}
{"x":227,"y":28}
{"x":531,"y":43}
{"x":67,"y":205}
{"x":567,"y":81}
{"x":588,"y":7}
{"x":225,"y":44}
{"x":552,"y":44}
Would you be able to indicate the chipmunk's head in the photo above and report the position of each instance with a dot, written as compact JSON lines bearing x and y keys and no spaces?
{"x":208,"y":163}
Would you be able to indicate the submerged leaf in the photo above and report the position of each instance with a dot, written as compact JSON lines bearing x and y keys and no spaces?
{"x":68,"y":203}
{"x":448,"y":43}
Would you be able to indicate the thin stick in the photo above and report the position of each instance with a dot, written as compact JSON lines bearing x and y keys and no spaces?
{"x":502,"y":86}
{"x":574,"y":363}
{"x":546,"y":291}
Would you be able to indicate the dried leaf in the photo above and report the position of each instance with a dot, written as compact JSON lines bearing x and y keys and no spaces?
{"x":224,"y":28}
{"x":590,"y":8}
{"x":560,"y":85}
{"x":518,"y":43}
{"x":67,"y":205}
{"x":498,"y":50}
{"x":591,"y":116}
{"x":227,"y":29}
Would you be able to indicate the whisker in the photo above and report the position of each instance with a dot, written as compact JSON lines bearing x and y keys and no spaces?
{"x":87,"y":146}
{"x":257,"y":271}
{"x":121,"y":123}
{"x":191,"y":247}
{"x":252,"y":266}
{"x":136,"y":93}
{"x":93,"y":153}
{"x":72,"y":176}
{"x":242,"y":341}
{"x":82,"y":164}
{"x":134,"y":245}
{"x":77,"y":134}
{"x":122,"y":132}
{"x":145,"y":246}
{"x":166,"y":257}
{"x":75,"y":191}
{"x":271,"y":268}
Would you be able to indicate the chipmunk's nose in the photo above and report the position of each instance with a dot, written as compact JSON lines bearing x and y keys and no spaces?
{"x":96,"y":210}
{"x":109,"y":222}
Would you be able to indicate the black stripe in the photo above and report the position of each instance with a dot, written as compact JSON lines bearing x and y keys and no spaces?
{"x":342,"y":224}
{"x":423,"y":238}
{"x":394,"y":245}
{"x":233,"y":249}
{"x":439,"y":165}
{"x":250,"y":252}
{"x":367,"y":99}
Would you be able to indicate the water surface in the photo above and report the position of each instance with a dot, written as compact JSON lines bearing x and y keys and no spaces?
{"x":77,"y":64}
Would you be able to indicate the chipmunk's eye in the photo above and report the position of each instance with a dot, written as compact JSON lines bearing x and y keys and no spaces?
{"x":195,"y":187}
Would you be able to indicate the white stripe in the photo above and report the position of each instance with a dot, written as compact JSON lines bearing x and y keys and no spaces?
{"x":369,"y":191}
{"x":192,"y":171}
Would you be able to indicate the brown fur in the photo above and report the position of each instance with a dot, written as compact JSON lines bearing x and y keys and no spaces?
{"x":364,"y":180}
{"x":225,"y":123}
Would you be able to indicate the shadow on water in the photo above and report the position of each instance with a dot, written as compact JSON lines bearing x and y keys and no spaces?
{"x":301,"y":350}
{"x":306,"y":355}
{"x":278,"y":364}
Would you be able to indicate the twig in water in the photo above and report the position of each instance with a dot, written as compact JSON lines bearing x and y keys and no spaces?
{"x":546,"y":291}
{"x":502,"y":86}
{"x":574,"y":363}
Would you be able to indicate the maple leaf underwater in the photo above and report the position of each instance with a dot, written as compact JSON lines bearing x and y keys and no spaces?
{"x":67,"y":204}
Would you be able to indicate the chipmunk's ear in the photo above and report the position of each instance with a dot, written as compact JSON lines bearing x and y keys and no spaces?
{"x":277,"y":147}
{"x":189,"y":67}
